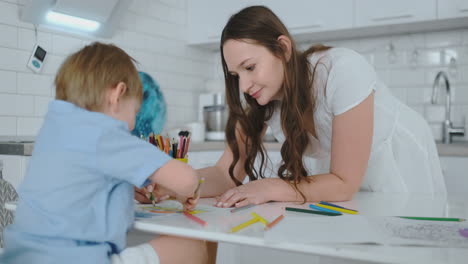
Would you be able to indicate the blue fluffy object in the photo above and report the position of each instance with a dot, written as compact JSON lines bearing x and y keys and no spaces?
{"x":152,"y":114}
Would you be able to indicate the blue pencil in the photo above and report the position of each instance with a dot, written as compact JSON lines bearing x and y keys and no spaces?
{"x":334,"y":205}
{"x":322,"y":209}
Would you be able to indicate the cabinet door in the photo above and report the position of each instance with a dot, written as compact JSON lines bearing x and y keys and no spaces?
{"x":307,"y":16}
{"x":384,"y":12}
{"x":14,"y":168}
{"x":452,"y":8}
{"x":207,"y":18}
{"x":455,"y":170}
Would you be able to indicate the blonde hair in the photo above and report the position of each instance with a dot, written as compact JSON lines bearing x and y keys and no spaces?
{"x":85,"y":76}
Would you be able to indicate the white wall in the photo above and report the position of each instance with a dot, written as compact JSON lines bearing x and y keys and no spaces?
{"x":418,"y":57}
{"x":152,"y":31}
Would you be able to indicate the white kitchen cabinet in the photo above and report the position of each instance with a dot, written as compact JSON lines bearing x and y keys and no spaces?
{"x":306,"y":16}
{"x":383,"y":12}
{"x":452,"y":8}
{"x":206,"y":18}
{"x":14,"y":168}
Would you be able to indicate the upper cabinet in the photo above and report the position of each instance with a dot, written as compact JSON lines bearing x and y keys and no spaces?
{"x":384,"y":12}
{"x":305,"y":16}
{"x":206,"y":19}
{"x":318,"y":20}
{"x":452,"y":8}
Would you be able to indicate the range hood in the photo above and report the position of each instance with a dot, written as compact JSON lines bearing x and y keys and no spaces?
{"x":102,"y":16}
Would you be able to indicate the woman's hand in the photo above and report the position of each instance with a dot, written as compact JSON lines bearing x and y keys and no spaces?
{"x":254,"y":192}
{"x":143,"y":195}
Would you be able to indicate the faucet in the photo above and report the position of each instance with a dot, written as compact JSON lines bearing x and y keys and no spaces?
{"x":447,"y":129}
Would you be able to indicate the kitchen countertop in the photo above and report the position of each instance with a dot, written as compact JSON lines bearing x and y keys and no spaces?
{"x":24,"y":147}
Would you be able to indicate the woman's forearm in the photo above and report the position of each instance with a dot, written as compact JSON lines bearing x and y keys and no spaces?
{"x":328,"y":187}
{"x":216,"y":182}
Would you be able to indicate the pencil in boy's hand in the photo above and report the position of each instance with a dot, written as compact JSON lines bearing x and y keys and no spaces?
{"x":153,"y":200}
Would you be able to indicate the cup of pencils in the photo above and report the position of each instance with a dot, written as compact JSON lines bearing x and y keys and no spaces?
{"x":176,"y":148}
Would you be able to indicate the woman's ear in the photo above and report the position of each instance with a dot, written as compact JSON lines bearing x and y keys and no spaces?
{"x":285,"y":43}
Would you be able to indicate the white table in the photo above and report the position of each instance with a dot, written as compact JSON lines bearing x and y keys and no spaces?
{"x":369,"y":204}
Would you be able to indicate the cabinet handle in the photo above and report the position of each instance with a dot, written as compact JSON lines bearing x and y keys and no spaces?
{"x":384,"y":18}
{"x":316,"y":25}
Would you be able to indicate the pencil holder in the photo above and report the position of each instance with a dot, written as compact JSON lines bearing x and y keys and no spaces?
{"x":185,"y":160}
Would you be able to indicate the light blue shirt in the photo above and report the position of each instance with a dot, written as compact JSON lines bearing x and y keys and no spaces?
{"x":76,"y":201}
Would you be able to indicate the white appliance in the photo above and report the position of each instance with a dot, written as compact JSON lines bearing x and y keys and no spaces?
{"x":212,"y":112}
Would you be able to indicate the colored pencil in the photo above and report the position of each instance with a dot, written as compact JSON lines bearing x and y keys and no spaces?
{"x":261,"y":219}
{"x":200,"y":182}
{"x":433,"y":218}
{"x":338,"y":209}
{"x":241,"y":208}
{"x":195,"y":219}
{"x":335,"y":205}
{"x":274,"y":222}
{"x":312,"y":206}
{"x":310,"y":211}
{"x":153,"y":200}
{"x":244,"y":225}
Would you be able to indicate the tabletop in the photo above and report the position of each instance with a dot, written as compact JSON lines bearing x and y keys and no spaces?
{"x":370,"y":206}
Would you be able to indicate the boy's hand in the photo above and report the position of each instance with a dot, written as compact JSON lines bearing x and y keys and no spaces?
{"x":191,"y":202}
{"x":143,"y":195}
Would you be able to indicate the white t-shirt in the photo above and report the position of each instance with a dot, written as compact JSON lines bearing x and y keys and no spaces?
{"x":403,"y":155}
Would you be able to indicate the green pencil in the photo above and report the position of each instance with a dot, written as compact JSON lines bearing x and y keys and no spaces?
{"x":433,"y":218}
{"x":310,"y":211}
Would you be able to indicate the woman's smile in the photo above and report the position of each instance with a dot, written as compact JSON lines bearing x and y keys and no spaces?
{"x":257,"y":93}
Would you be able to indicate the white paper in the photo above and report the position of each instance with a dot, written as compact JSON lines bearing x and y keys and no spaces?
{"x":357,"y":229}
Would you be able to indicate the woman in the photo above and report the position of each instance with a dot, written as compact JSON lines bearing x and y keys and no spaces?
{"x":325,"y":103}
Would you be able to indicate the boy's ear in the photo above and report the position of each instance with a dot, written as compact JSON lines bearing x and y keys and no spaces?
{"x":285,"y":43}
{"x":115,"y":94}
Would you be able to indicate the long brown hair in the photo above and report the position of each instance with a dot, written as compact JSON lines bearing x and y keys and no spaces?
{"x":261,"y":26}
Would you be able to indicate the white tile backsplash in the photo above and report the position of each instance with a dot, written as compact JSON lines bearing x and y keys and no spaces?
{"x":152,"y":31}
{"x":8,"y":82}
{"x":16,"y":105}
{"x":27,"y":126}
{"x":9,"y":37}
{"x":13,"y":59}
{"x":418,"y":58}
{"x":8,"y":125}
{"x":27,"y":39}
{"x":41,"y":104}
{"x":35,"y":84}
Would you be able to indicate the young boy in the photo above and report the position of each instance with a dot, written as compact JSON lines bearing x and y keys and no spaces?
{"x":76,"y":201}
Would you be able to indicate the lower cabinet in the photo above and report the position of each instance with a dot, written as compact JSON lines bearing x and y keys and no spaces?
{"x":455,"y":170}
{"x":14,"y":168}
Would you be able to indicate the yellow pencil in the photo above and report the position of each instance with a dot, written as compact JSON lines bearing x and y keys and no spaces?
{"x":337,"y":209}
{"x":261,"y":219}
{"x":244,"y":225}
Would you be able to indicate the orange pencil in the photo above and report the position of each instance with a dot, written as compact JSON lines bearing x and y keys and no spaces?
{"x":167,"y":145}
{"x":161,"y":141}
{"x":194,"y":218}
{"x":274,"y":222}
